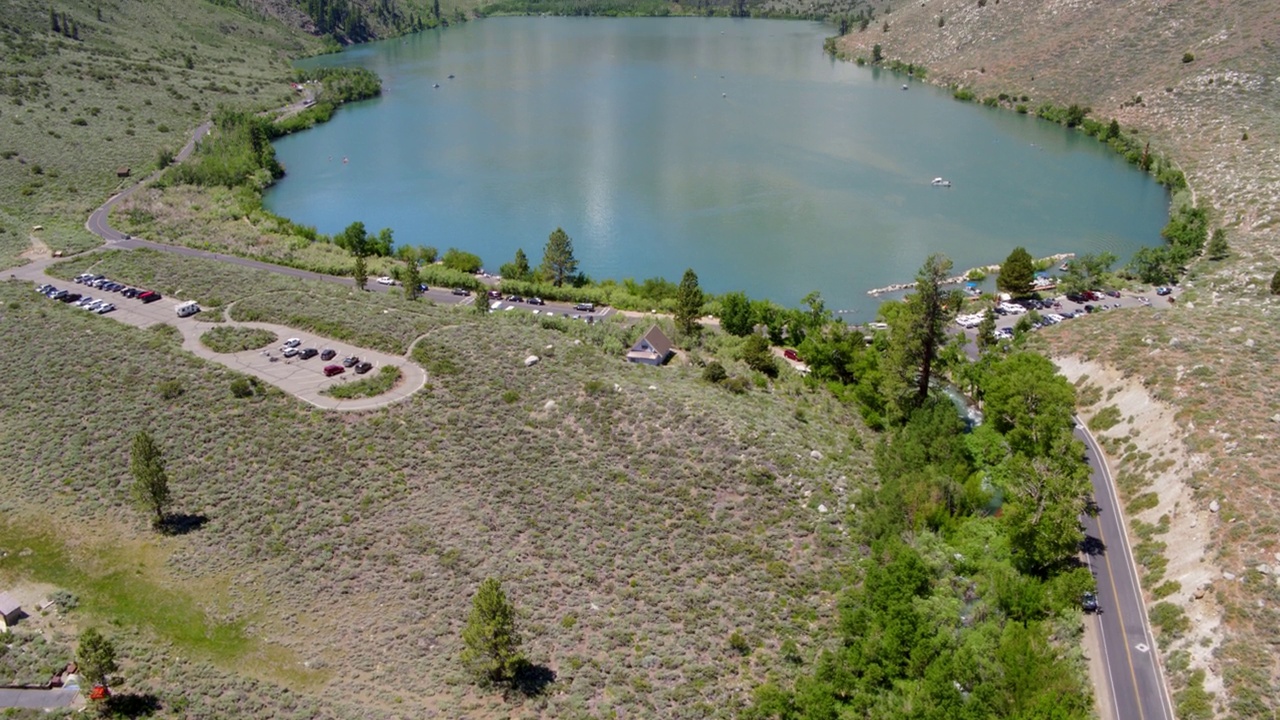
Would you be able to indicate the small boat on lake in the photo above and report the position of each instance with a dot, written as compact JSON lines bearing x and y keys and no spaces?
{"x":940,"y":182}
{"x":904,"y":87}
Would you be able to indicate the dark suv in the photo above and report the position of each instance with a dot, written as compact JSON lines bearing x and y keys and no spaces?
{"x":308,"y":353}
{"x":1089,"y":602}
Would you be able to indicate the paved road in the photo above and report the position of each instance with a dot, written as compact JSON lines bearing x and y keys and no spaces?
{"x":1137,"y":690}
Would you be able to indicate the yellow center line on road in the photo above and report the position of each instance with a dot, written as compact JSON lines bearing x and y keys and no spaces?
{"x":1111,"y":577}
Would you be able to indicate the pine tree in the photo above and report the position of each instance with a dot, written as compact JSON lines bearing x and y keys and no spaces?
{"x":558,"y":262}
{"x":689,"y":303}
{"x":735,"y":314}
{"x":360,"y":272}
{"x":53,"y":21}
{"x":1218,"y":248}
{"x":150,"y":482}
{"x":412,"y":278}
{"x":96,"y":657}
{"x":1017,"y":273}
{"x":491,"y":643}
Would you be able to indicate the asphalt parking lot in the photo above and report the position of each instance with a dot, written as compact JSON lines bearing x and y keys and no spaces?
{"x":302,"y":378}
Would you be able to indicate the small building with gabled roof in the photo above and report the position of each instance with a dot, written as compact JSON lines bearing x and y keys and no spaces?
{"x":10,"y":611}
{"x":653,"y":348}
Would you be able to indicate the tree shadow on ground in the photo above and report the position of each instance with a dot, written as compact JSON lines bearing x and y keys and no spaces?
{"x":532,"y":680}
{"x":1092,"y":546}
{"x":183,"y":523}
{"x":132,"y":705}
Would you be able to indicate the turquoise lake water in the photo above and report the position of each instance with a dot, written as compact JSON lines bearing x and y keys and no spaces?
{"x":735,"y":147}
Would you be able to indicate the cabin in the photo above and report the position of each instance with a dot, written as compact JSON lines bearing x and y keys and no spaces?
{"x":653,"y":348}
{"x":10,"y":611}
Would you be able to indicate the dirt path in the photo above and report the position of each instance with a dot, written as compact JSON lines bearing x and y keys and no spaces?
{"x":38,"y":250}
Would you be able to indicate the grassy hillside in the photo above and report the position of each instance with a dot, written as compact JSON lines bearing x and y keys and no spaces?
{"x":135,"y":80}
{"x":637,"y":516}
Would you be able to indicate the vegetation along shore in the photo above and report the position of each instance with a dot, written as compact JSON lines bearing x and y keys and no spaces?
{"x":741,"y":533}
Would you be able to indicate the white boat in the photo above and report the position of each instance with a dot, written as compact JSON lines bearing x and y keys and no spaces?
{"x":904,"y":87}
{"x":940,"y":182}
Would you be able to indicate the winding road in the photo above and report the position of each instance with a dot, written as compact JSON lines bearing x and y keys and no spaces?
{"x":1136,"y":688}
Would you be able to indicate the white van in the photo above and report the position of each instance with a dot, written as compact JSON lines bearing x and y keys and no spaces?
{"x":187,"y":309}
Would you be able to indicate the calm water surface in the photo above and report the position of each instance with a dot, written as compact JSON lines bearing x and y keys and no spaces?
{"x":731,"y":146}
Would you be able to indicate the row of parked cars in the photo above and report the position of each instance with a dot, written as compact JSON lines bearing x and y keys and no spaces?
{"x":102,"y":307}
{"x":292,"y":348}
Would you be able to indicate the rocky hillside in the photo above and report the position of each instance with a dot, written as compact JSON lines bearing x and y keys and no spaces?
{"x":350,"y":21}
{"x":1201,"y":79}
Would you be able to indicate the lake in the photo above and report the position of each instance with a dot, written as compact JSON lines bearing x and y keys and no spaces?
{"x":735,"y":147}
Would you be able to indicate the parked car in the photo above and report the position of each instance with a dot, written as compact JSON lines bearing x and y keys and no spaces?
{"x":585,"y":307}
{"x":385,"y":280}
{"x":790,"y":355}
{"x":331,"y":370}
{"x":493,"y":294}
{"x":350,"y":361}
{"x":1089,"y":602}
{"x":130,"y":292}
{"x":149,"y":296}
{"x":44,"y":288}
{"x":461,"y":291}
{"x":308,"y":353}
{"x":1164,"y":290}
{"x":1113,"y":293}
{"x":292,"y":342}
{"x":514,"y":298}
{"x":363,"y":368}
{"x":105,"y":308}
{"x":423,"y":287}
{"x":57,"y":294}
{"x":327,"y":354}
{"x":537,"y":301}
{"x":70,"y":297}
{"x":288,"y":351}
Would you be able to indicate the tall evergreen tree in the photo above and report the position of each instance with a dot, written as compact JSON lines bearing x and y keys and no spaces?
{"x":918,"y":331}
{"x":689,"y":303}
{"x":150,"y":482}
{"x":96,"y":657}
{"x":412,"y":279}
{"x":1218,"y":248}
{"x":360,"y":272}
{"x":1017,"y":274}
{"x":490,"y":641}
{"x":558,"y":262}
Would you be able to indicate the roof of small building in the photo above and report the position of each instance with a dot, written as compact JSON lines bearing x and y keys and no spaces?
{"x":657,"y":340}
{"x":8,"y":604}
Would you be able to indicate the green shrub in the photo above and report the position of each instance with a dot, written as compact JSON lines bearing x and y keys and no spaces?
{"x":241,"y":388}
{"x":1170,"y":619}
{"x":714,"y":372}
{"x":736,"y":384}
{"x":1105,"y":419}
{"x":1188,"y":57}
{"x":169,"y":389}
{"x":1145,"y":501}
{"x":462,"y":261}
{"x":738,"y":643}
{"x":1275,"y":283}
{"x":1166,"y":588}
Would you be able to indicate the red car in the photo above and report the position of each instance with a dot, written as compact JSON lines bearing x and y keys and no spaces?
{"x":331,"y":370}
{"x":790,"y":355}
